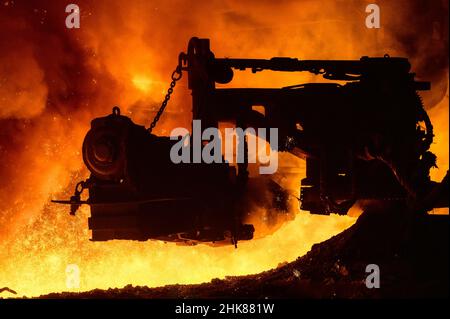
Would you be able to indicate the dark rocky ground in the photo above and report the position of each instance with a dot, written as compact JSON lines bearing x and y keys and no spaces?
{"x":412,"y":254}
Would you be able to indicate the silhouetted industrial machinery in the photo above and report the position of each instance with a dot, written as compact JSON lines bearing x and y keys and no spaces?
{"x":365,"y":136}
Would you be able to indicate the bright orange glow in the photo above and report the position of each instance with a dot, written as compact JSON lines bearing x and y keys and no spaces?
{"x":124,"y":55}
{"x":142,"y":83}
{"x":439,"y":117}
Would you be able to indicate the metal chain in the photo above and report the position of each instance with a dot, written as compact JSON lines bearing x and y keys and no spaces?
{"x":176,"y":76}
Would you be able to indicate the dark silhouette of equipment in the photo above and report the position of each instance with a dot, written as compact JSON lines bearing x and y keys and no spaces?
{"x":366,"y":136}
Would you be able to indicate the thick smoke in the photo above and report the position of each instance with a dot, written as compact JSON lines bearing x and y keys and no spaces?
{"x":49,"y":90}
